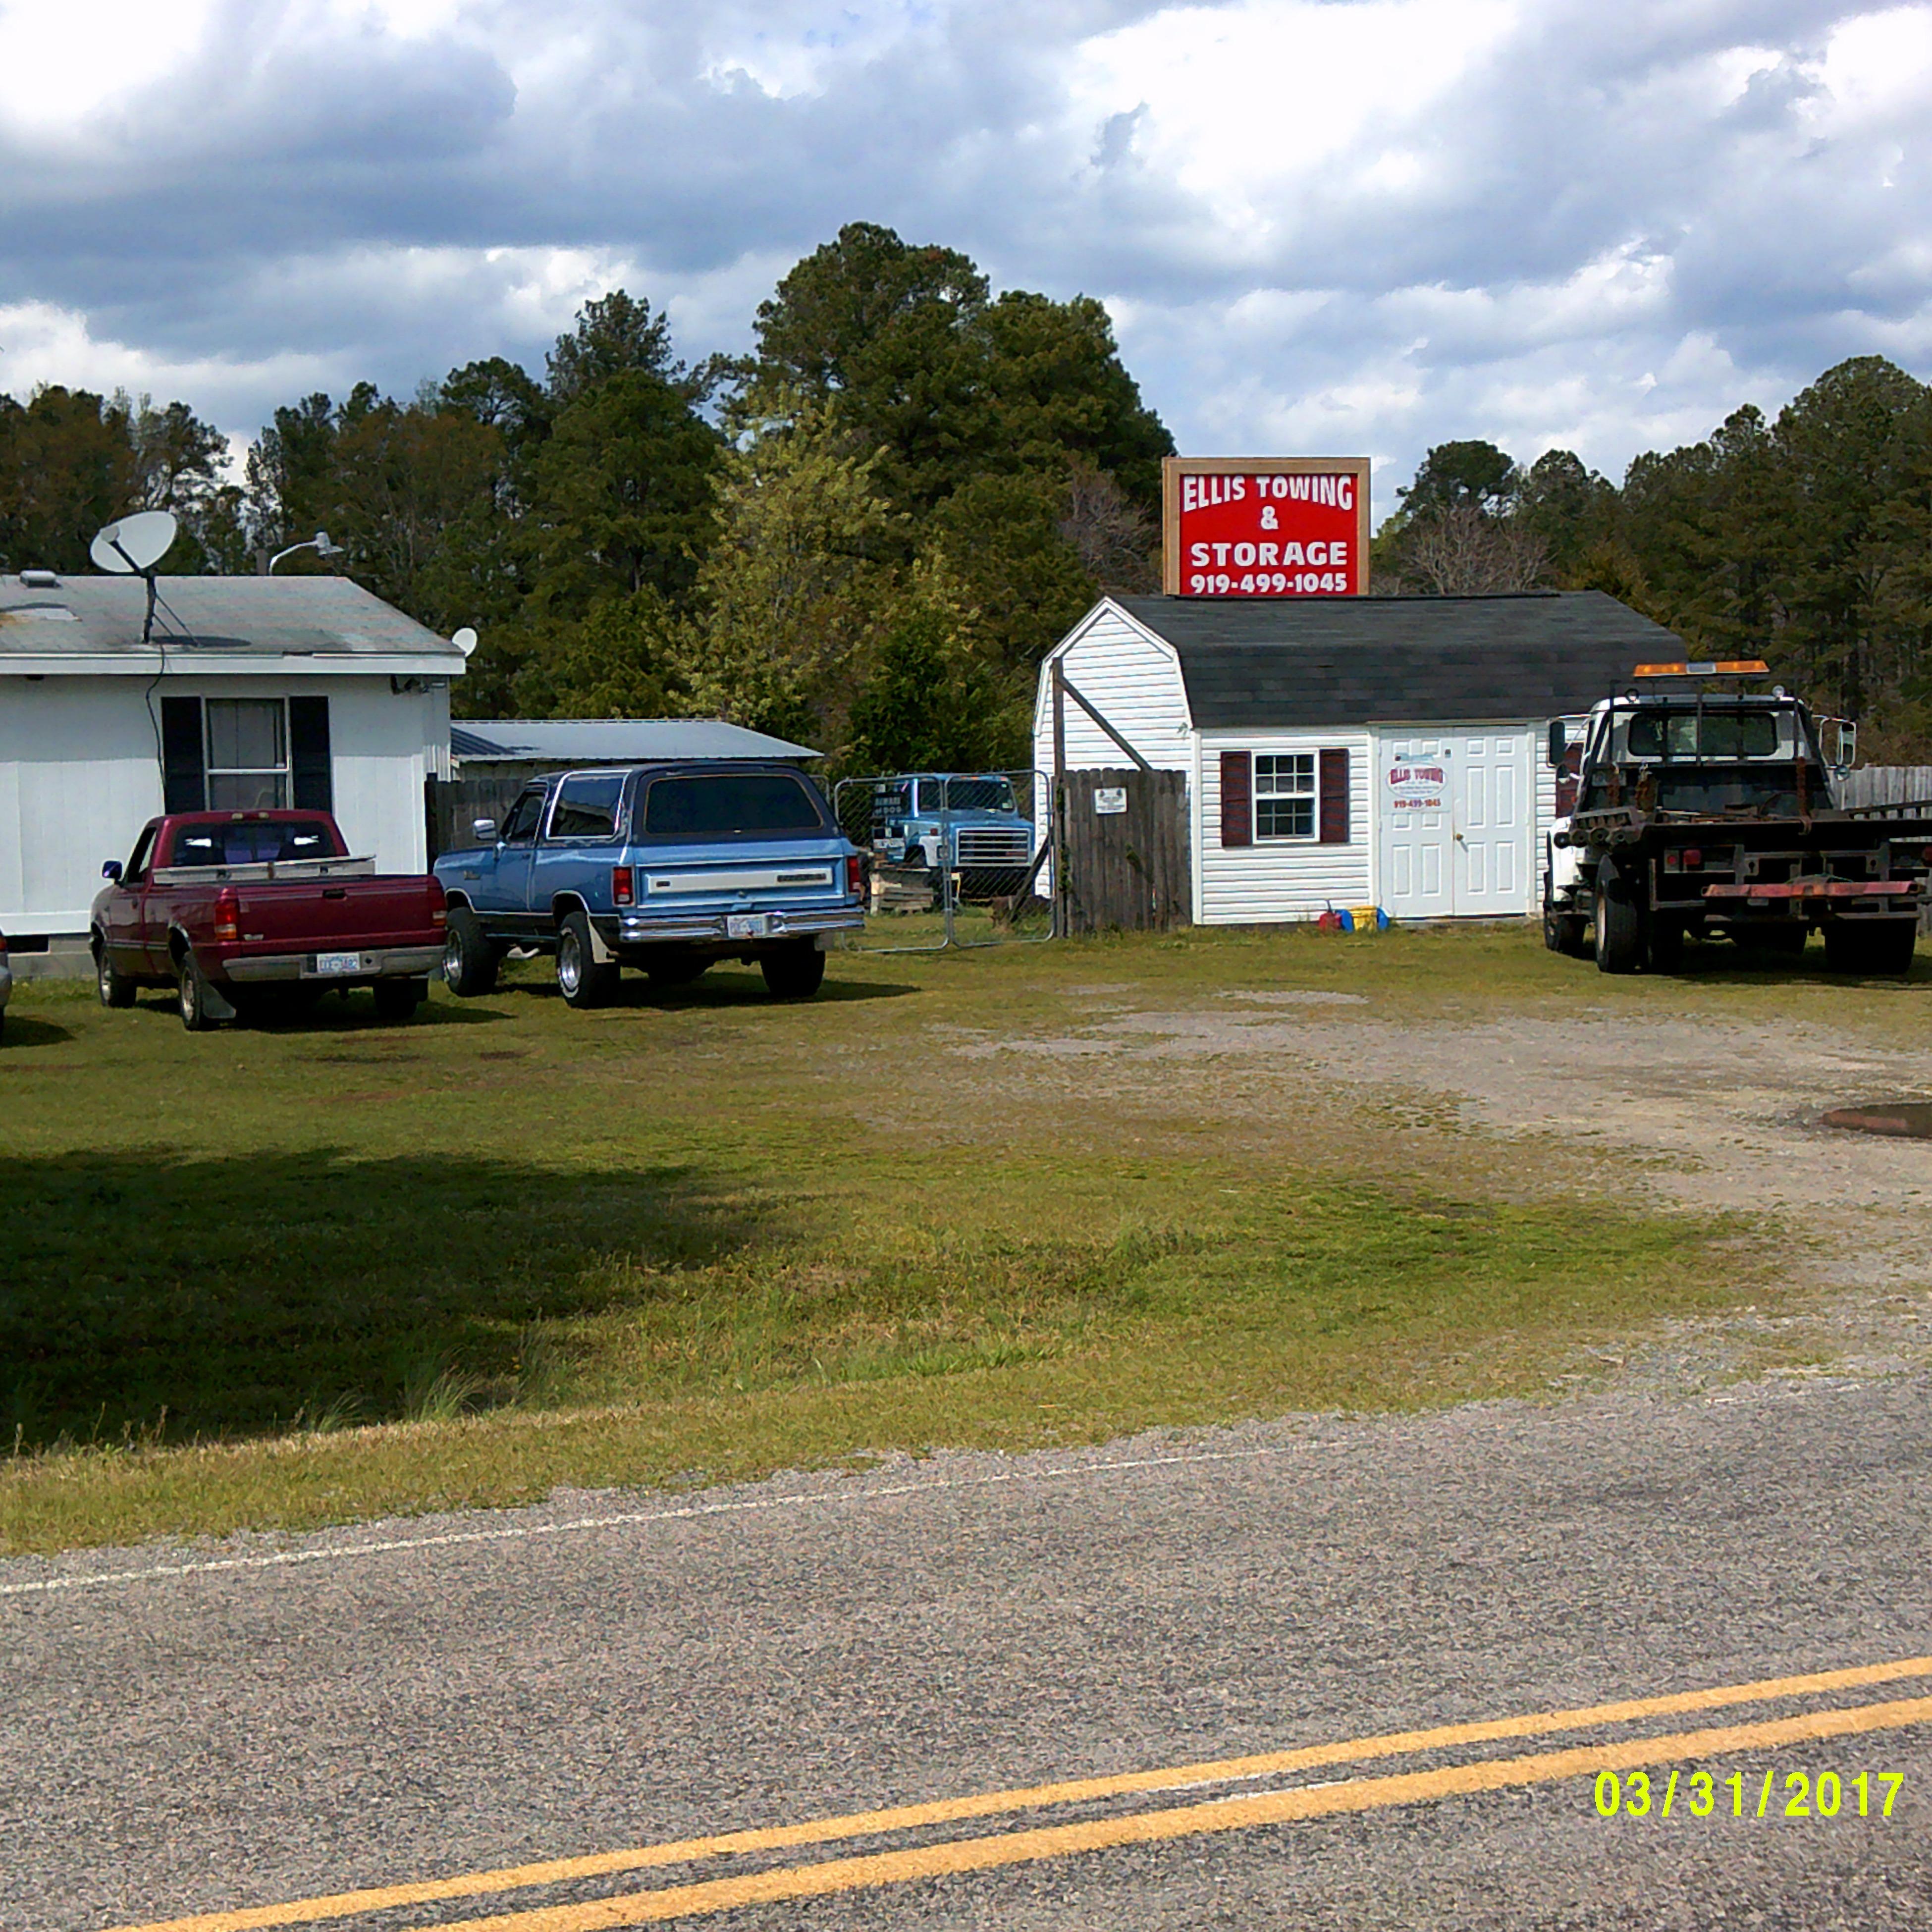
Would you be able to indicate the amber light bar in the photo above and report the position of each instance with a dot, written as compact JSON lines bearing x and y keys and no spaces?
{"x":1720,"y":667}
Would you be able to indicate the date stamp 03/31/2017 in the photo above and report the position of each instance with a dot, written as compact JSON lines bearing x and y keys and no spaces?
{"x":1823,"y":1794}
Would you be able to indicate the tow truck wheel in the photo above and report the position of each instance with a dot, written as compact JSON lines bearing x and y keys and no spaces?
{"x":1871,"y":950}
{"x":1564,"y":932}
{"x":1619,"y":933}
{"x":581,"y":977}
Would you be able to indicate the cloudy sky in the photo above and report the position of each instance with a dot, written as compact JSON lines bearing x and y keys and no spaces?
{"x":1322,"y":227}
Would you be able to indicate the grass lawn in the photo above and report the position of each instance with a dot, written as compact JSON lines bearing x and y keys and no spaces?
{"x":278,"y":1277}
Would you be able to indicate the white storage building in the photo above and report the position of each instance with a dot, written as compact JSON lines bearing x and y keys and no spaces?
{"x":1347,"y":751}
{"x":252,"y":692}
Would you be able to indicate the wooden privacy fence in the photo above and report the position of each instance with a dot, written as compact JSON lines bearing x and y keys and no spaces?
{"x":450,"y":804}
{"x":1886,"y":785}
{"x":1123,"y":861}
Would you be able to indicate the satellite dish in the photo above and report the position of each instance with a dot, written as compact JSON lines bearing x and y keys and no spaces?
{"x":135,"y":544}
{"x":465,"y":641}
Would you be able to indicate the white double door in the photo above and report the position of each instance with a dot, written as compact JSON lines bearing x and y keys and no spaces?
{"x":1455,"y":823}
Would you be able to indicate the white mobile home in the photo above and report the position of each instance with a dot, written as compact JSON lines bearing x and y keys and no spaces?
{"x":249,"y":692}
{"x":1349,"y":751}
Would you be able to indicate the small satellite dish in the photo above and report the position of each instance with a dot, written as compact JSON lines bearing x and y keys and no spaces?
{"x":135,"y":544}
{"x":465,"y":641}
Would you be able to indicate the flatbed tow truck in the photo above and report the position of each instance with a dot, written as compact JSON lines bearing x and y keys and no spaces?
{"x":1703,"y":808}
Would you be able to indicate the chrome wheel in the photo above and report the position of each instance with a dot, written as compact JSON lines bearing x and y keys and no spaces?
{"x":569,"y":965}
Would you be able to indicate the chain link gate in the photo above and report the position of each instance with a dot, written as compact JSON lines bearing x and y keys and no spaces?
{"x":953,"y":859}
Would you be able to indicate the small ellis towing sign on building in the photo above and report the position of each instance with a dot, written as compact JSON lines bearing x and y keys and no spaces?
{"x":1417,"y":788}
{"x":1265,"y":527}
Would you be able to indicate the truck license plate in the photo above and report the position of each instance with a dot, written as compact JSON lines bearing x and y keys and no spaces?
{"x":747,"y":925}
{"x":338,"y":962}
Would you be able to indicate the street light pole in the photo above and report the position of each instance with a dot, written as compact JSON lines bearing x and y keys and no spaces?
{"x":318,"y":543}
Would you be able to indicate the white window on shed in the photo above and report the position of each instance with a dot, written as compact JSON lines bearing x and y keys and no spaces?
{"x":1284,"y":796}
{"x":247,"y":753}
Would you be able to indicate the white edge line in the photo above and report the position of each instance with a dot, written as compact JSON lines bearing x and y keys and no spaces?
{"x":523,"y":1532}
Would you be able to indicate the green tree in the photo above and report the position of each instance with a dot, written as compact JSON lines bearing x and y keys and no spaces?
{"x":620,"y":496}
{"x":1059,"y":398}
{"x":1857,"y":449}
{"x":289,"y":470}
{"x":1002,"y":540}
{"x":411,"y":498}
{"x":795,"y":575}
{"x":67,"y":466}
{"x":929,"y":703}
{"x":623,"y":660}
{"x":501,"y":396}
{"x":1458,"y":531}
{"x":1568,"y":505}
{"x":948,"y":383}
{"x":1456,"y":476}
{"x":615,"y":335}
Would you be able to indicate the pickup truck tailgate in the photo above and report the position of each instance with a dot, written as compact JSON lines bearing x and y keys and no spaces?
{"x":288,"y":916}
{"x":700,"y":880}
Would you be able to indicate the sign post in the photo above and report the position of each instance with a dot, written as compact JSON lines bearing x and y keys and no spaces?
{"x":1264,"y":526}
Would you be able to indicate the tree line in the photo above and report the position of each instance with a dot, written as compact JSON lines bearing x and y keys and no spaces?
{"x":866,"y":533}
{"x":1805,"y":540}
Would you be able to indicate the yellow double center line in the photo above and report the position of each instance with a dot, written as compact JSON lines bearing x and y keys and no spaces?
{"x":1222,"y":1814}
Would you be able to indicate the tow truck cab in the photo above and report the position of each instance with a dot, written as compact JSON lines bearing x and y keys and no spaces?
{"x":1698,"y":811}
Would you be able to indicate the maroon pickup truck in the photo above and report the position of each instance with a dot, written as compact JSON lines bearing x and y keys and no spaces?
{"x":239,"y":910}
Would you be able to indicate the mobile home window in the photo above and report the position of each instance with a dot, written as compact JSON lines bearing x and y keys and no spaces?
{"x":1284,"y":796}
{"x":247,"y":753}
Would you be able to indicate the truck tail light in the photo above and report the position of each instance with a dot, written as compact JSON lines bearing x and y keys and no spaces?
{"x":1673,"y":861}
{"x":855,"y":874}
{"x":1693,"y":858}
{"x":623,"y":886}
{"x":227,"y":914}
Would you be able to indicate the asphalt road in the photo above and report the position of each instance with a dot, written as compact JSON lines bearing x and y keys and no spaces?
{"x":611,"y":1672}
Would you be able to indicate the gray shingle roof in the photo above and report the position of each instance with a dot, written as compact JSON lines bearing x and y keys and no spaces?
{"x":612,"y":741}
{"x":90,"y":616}
{"x":1306,"y":663}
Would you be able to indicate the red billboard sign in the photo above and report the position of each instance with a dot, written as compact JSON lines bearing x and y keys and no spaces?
{"x":1268,"y":526}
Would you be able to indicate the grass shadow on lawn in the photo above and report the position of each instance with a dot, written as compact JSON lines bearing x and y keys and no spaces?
{"x":1717,"y":962}
{"x":20,"y":1032}
{"x":718,"y":988}
{"x":152,"y":1298}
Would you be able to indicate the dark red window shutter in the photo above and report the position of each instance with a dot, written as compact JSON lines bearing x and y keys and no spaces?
{"x":1335,"y":798}
{"x":1237,"y":798}
{"x":184,"y":770}
{"x":313,"y":788}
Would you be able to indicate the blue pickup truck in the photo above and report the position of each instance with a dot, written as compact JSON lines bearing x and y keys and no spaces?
{"x":664,"y":868}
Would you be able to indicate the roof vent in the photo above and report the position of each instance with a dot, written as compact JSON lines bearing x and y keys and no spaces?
{"x":40,"y":580}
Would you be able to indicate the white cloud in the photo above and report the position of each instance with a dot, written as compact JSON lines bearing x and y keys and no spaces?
{"x":1251,"y":108}
{"x":1336,"y":224}
{"x":61,"y":64}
